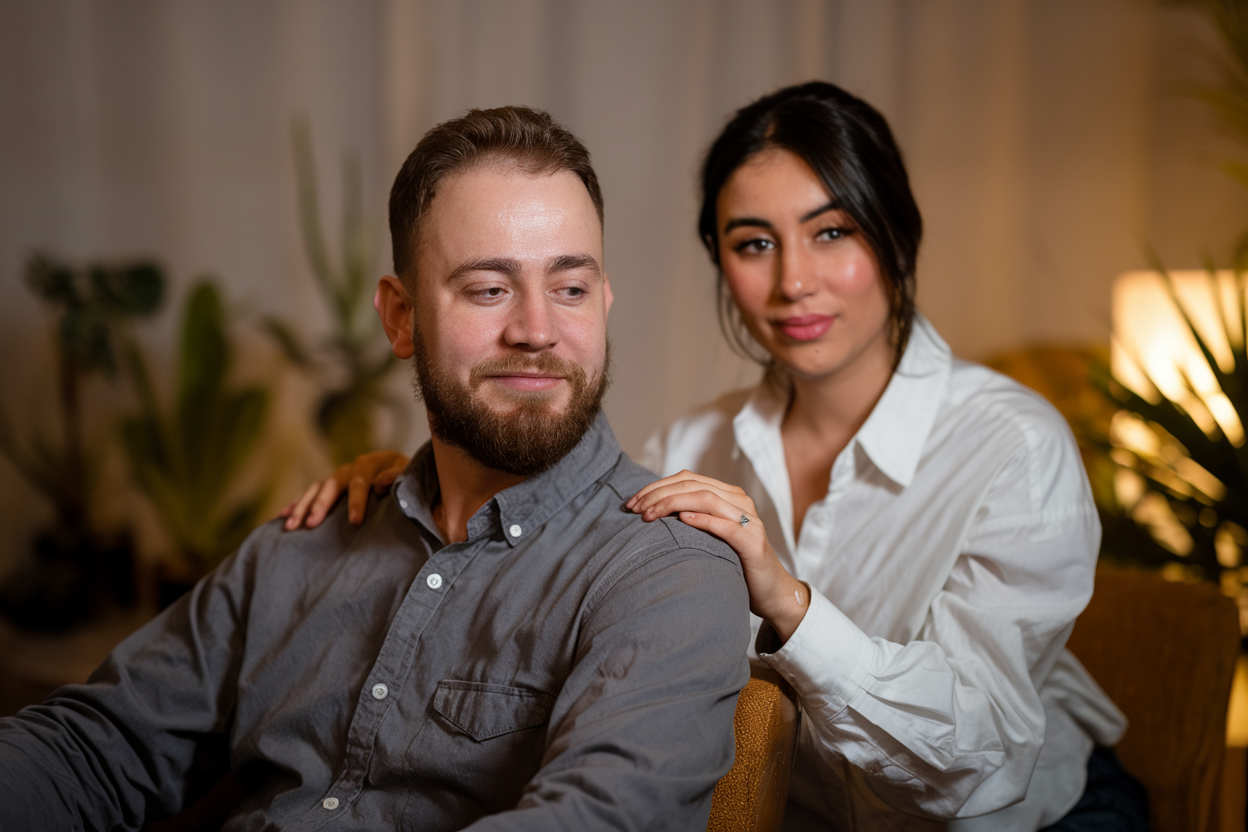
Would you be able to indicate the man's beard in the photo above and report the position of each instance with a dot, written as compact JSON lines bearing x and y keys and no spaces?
{"x":524,"y":439}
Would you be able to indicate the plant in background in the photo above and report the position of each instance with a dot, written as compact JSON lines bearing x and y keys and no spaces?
{"x":1182,"y":457}
{"x":1182,"y":495}
{"x":187,"y":459}
{"x":351,"y":364}
{"x":94,"y":305}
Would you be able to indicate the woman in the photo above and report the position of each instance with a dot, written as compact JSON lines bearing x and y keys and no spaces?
{"x":916,"y":532}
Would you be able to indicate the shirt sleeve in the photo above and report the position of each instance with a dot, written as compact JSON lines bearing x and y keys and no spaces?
{"x":144,"y":736}
{"x":950,"y":724}
{"x":642,"y":730}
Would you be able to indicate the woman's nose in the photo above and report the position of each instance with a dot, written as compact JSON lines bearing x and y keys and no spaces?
{"x":794,"y":279}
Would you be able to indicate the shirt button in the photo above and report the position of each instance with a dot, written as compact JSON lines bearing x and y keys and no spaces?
{"x":515,"y":530}
{"x":380,"y":691}
{"x":434,"y":581}
{"x":330,"y":803}
{"x":403,"y":503}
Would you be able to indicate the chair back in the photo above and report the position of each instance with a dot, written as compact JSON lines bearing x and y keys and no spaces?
{"x":1165,"y":653}
{"x":752,"y":795}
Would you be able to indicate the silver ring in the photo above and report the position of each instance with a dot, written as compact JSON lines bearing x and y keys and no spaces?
{"x":744,"y":521}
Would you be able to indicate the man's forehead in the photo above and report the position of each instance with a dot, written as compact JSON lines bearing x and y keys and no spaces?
{"x":494,"y":209}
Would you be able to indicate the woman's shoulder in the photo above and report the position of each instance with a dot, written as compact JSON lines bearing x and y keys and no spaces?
{"x":1009,"y":429}
{"x":980,"y":396}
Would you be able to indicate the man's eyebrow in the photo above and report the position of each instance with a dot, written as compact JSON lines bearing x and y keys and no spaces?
{"x":755,"y":222}
{"x":571,"y":262}
{"x":503,"y":265}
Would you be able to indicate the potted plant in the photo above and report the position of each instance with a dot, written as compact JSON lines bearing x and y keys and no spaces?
{"x":351,"y":364}
{"x":74,"y":565}
{"x":187,"y":458}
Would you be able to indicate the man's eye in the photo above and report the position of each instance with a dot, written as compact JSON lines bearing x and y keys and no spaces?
{"x":573,"y":291}
{"x":490,"y":292}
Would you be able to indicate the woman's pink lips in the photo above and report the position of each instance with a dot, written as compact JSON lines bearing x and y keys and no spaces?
{"x":806,"y":327}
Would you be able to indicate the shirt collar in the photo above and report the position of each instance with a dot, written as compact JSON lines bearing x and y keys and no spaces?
{"x":897,"y":430}
{"x":893,"y":435}
{"x":524,"y":507}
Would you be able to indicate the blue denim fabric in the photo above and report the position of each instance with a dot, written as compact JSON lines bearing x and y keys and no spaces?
{"x":1113,"y":800}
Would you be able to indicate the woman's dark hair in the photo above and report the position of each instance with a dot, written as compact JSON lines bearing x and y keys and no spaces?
{"x":848,"y":145}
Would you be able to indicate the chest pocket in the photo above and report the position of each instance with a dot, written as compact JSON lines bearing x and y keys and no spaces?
{"x":484,"y":711}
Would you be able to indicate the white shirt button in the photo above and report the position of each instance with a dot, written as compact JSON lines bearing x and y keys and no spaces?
{"x":515,"y":530}
{"x":403,"y":503}
{"x":380,"y":691}
{"x":434,"y":581}
{"x":330,"y":803}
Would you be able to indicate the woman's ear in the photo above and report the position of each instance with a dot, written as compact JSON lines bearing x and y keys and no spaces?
{"x":394,"y":307}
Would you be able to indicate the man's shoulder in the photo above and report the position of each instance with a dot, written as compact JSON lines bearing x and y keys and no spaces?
{"x":274,"y":551}
{"x":667,"y":533}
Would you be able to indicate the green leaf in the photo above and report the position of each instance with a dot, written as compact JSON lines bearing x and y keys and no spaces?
{"x":309,"y":206}
{"x":204,"y":355}
{"x":128,"y":290}
{"x":289,"y":342}
{"x":52,"y":281}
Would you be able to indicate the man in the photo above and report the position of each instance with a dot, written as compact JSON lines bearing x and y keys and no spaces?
{"x":500,"y":645}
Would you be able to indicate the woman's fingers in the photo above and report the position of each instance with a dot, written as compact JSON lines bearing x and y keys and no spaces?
{"x":327,"y":494}
{"x":684,"y":477}
{"x":668,"y":498}
{"x":296,"y":512}
{"x":376,"y":470}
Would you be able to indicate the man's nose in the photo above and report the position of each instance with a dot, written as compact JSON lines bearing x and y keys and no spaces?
{"x":531,"y":325}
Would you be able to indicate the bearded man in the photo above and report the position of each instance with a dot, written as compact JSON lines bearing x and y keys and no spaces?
{"x":500,"y":645}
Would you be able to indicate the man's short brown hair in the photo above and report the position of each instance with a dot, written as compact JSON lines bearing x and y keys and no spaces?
{"x":529,"y":138}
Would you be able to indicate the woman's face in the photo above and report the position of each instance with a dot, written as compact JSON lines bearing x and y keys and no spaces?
{"x":806,"y":282}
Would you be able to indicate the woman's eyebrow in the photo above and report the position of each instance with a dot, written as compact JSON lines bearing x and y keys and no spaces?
{"x":756,"y":222}
{"x":740,"y":222}
{"x":834,"y":205}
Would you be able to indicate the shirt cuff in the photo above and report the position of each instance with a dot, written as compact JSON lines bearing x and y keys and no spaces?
{"x":825,"y":658}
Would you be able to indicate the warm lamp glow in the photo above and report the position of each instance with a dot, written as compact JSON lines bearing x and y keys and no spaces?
{"x":1151,"y":338}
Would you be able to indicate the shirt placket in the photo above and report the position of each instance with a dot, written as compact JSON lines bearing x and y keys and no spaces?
{"x":815,"y":543}
{"x":388,"y":676}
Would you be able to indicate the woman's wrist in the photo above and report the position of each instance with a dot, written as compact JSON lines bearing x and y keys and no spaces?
{"x":788,"y":607}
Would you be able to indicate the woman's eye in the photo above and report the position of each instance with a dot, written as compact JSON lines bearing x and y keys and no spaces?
{"x":755,"y":245}
{"x":832,"y":233}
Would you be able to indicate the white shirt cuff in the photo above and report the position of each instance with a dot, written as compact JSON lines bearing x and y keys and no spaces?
{"x":825,"y":659}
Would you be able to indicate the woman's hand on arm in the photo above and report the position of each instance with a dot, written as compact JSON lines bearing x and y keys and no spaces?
{"x":376,"y":470}
{"x":718,"y":508}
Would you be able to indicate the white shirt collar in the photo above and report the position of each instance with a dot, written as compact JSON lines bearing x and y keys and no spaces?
{"x":893,"y":435}
{"x":896,"y":432}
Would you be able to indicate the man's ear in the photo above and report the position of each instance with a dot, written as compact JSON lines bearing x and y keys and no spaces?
{"x":607,"y":294}
{"x":394,"y":307}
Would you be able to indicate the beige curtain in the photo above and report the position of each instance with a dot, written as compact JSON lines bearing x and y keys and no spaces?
{"x":1045,"y":143}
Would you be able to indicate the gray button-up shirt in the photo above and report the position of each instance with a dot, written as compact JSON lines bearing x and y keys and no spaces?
{"x":567,"y":667}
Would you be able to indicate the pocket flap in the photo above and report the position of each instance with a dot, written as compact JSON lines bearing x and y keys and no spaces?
{"x":483,"y":711}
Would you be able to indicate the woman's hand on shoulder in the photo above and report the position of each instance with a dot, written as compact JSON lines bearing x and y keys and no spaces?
{"x":376,"y":470}
{"x":727,"y":512}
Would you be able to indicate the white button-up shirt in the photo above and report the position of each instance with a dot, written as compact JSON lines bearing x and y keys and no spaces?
{"x":948,"y":561}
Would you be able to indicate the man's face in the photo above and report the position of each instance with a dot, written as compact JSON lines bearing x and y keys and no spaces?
{"x":511,"y":308}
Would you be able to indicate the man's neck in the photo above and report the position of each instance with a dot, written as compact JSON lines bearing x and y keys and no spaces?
{"x":466,"y":485}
